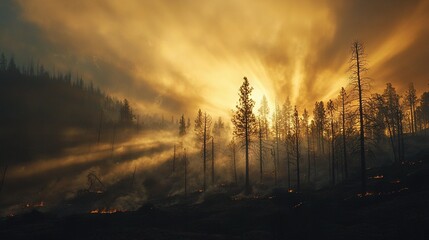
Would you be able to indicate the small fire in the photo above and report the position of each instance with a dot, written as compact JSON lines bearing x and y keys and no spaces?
{"x":290,"y":190}
{"x":377,"y":177}
{"x":365,"y":195}
{"x":396,"y":181}
{"x":105,"y":211}
{"x":34,"y":205}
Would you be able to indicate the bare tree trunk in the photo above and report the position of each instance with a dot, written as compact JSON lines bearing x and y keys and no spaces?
{"x":246,"y":135}
{"x":276,"y":153}
{"x":205,"y":153}
{"x":298,"y":187}
{"x":288,"y":163}
{"x":273,"y":154}
{"x":314,"y":156}
{"x":213,"y":163}
{"x":308,"y":154}
{"x":333,"y":150}
{"x":398,"y":139}
{"x":391,"y":138}
{"x":346,"y":170}
{"x":260,"y":152}
{"x":234,"y":162}
{"x":362,"y":133}
{"x":186,"y":173}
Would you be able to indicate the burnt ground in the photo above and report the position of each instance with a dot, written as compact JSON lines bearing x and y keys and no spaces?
{"x":395,"y":207}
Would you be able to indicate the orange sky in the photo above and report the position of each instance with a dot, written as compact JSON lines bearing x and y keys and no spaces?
{"x":176,"y":56}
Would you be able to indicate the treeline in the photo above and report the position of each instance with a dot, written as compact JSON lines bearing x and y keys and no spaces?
{"x":338,"y":142}
{"x":43,"y":112}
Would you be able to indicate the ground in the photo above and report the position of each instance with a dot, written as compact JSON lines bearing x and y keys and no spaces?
{"x":394,"y":207}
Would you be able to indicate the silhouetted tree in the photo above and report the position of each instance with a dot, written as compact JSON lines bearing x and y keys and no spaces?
{"x":410,"y":100}
{"x":188,"y":124}
{"x":319,"y":124}
{"x":296,"y":126}
{"x":389,"y":105}
{"x":305,"y":118}
{"x":213,"y":162}
{"x":182,"y":126}
{"x":219,"y":128}
{"x":202,"y":131}
{"x":233,"y":147}
{"x":276,"y":129}
{"x":330,"y":106}
{"x":423,"y":112}
{"x":126,"y":113}
{"x":286,"y":130}
{"x":357,"y":68}
{"x":245,"y":122}
{"x":185,"y":162}
{"x":3,"y":63}
{"x":12,"y":70}
{"x":260,"y":135}
{"x":264,"y":112}
{"x":343,"y":96}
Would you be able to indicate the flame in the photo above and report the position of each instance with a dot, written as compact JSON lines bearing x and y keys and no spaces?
{"x":377,"y":177}
{"x":105,"y":211}
{"x":365,"y":195}
{"x":34,"y":205}
{"x":290,"y":190}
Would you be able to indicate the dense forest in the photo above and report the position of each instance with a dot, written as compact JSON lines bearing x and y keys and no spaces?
{"x":345,"y":136}
{"x":44,"y":112}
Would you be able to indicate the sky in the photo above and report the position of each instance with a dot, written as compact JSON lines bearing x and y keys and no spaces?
{"x":173,"y":57}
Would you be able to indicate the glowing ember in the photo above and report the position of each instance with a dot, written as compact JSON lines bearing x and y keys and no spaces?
{"x":34,"y":205}
{"x":377,"y":177}
{"x":290,"y":190}
{"x":105,"y":211}
{"x":396,"y":181}
{"x":365,"y":195}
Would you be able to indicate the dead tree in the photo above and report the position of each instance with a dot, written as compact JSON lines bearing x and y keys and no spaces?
{"x":296,"y":123}
{"x":331,"y":108}
{"x":260,"y":151}
{"x":185,"y":160}
{"x":357,"y":68}
{"x":233,"y":148}
{"x":343,"y":96}
{"x":213,"y":162}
